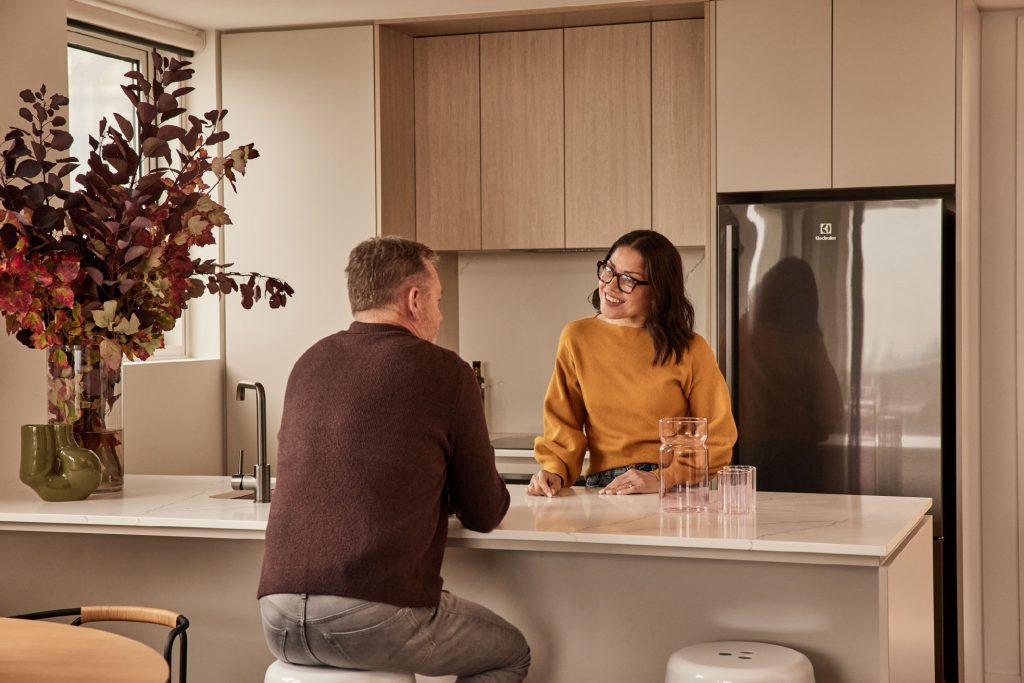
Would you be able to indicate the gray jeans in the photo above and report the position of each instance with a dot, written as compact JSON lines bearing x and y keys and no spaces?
{"x":457,"y":637}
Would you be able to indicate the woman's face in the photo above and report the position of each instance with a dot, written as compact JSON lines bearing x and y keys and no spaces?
{"x":625,"y":308}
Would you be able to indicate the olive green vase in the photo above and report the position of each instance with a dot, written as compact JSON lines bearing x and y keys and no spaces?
{"x":55,"y":466}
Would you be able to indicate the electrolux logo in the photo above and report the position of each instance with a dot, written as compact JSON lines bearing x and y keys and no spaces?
{"x":825,"y":233}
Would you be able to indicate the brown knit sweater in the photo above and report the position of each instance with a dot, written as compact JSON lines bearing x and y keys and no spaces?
{"x":382,"y":437}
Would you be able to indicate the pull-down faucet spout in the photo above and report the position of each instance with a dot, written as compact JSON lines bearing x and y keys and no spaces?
{"x":260,"y":478}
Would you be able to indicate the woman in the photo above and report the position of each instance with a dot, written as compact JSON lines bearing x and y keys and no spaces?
{"x":617,"y":373}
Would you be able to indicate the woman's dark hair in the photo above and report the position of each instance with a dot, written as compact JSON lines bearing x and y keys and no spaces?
{"x":788,"y":297}
{"x":670,"y":322}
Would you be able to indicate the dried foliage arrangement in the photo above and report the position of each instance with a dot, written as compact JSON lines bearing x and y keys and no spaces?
{"x":110,"y":264}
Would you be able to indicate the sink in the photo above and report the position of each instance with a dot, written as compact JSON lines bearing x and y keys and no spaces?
{"x":236,"y":495}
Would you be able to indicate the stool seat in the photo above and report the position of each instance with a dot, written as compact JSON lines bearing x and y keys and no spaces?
{"x":738,"y":661}
{"x":283,"y":672}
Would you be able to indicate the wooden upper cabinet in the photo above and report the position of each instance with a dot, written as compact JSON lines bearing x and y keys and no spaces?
{"x":894,"y":92}
{"x":447,"y":78}
{"x":607,"y":133}
{"x":773,"y":94}
{"x":522,"y":157}
{"x":396,"y":165}
{"x":679,"y":132}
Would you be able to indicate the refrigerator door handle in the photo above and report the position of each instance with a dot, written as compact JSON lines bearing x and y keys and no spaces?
{"x":727,"y":342}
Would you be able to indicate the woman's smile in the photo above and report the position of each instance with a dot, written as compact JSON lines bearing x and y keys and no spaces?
{"x":612,"y":300}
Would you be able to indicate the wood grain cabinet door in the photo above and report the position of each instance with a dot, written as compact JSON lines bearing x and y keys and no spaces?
{"x":396,"y":137}
{"x":679,"y":132}
{"x":447,"y":82}
{"x":773,"y":94}
{"x":607,"y":133}
{"x":521,"y":140}
{"x":894,"y":92}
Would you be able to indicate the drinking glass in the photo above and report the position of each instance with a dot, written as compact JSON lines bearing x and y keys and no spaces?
{"x":736,"y":489}
{"x":683,"y":461}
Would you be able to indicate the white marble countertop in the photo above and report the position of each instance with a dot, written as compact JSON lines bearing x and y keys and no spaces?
{"x":786,"y":527}
{"x":149,"y":505}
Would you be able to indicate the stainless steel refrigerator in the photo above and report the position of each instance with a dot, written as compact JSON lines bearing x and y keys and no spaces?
{"x":835,"y":335}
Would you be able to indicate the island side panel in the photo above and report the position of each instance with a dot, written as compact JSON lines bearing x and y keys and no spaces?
{"x":906,"y":611}
{"x":607,"y":619}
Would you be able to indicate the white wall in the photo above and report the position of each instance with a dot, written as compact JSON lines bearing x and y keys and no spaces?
{"x":172,"y":417}
{"x":306,"y":99}
{"x":1000,"y":346}
{"x":31,"y":57}
{"x":512,"y":308}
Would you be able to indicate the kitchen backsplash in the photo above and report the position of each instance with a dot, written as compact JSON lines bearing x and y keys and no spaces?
{"x":511,"y":307}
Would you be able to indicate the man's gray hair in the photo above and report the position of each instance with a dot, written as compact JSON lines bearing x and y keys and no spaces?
{"x":380,"y":266}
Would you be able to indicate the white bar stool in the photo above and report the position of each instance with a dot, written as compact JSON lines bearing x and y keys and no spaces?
{"x":738,"y":661}
{"x":283,"y":672}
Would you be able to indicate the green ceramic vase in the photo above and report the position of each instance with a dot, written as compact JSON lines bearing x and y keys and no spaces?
{"x":55,"y":466}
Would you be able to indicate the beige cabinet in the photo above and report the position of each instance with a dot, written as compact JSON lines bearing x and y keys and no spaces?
{"x":447,"y":114}
{"x":521,"y":140}
{"x":679,"y":191}
{"x":773,"y":99}
{"x":396,"y":137}
{"x":893,"y":92}
{"x":607,"y":132}
{"x":544,"y":139}
{"x":842,"y":93}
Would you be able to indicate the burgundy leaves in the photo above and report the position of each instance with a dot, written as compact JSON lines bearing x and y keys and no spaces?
{"x":277,"y":291}
{"x":145,"y":201}
{"x":29,"y":179}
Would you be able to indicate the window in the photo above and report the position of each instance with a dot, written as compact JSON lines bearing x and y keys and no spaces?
{"x":96,"y":68}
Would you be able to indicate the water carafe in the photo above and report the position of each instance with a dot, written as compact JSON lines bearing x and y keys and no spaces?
{"x":683,"y":461}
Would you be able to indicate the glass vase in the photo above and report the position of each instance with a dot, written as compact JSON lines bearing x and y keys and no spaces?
{"x":84,"y":391}
{"x":683,"y":464}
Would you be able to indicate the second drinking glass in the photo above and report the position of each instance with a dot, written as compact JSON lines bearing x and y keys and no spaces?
{"x":737,"y":488}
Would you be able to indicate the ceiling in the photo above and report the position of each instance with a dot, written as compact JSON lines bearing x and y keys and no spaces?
{"x":986,"y":5}
{"x":235,"y":15}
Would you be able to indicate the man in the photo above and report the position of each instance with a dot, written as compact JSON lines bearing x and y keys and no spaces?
{"x":382,"y":437}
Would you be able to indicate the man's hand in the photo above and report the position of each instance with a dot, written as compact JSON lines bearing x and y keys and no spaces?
{"x":544,"y":483}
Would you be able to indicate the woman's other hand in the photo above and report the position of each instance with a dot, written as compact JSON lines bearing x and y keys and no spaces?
{"x":633,"y":481}
{"x":544,"y":483}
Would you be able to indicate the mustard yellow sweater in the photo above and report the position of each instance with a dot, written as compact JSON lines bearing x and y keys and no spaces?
{"x":606,"y":396}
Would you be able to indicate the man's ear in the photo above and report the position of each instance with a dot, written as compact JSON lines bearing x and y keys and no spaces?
{"x":413,"y":302}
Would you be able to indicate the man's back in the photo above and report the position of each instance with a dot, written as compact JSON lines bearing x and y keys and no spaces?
{"x":382,"y":436}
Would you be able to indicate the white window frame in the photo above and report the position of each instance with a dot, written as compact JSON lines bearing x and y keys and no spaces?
{"x":176,"y":344}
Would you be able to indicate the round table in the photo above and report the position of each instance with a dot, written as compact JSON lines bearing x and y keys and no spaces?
{"x":49,"y":652}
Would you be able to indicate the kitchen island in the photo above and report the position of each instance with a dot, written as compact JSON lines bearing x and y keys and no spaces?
{"x":604,"y":587}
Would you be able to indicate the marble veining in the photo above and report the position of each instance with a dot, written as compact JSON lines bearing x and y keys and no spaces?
{"x":871,"y":526}
{"x":867,"y":526}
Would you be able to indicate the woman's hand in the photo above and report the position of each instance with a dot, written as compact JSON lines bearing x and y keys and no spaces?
{"x":633,"y":481}
{"x":544,"y":483}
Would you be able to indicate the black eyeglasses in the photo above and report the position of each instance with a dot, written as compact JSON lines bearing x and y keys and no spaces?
{"x":627,"y":283}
